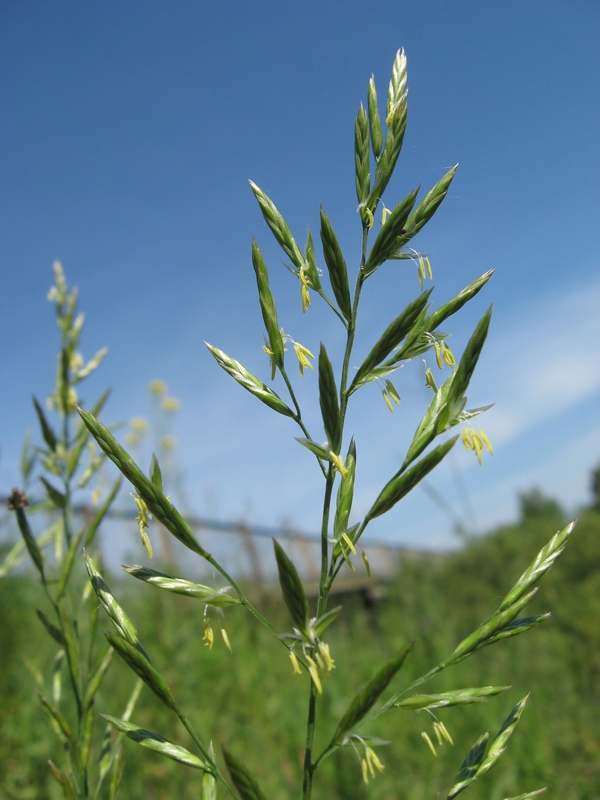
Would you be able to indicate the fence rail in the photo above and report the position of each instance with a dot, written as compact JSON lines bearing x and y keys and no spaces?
{"x":245,"y":550}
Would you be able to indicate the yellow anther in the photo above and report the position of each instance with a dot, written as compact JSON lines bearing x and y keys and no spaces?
{"x":349,"y":542}
{"x":429,"y":380}
{"x":391,"y":389}
{"x":373,"y":761}
{"x":448,"y":355}
{"x":428,"y":742}
{"x":389,"y":394}
{"x":366,"y":562}
{"x":423,"y":269}
{"x":295,"y":663}
{"x":444,"y":731}
{"x":364,"y":768}
{"x":338,"y":463}
{"x":226,"y":640}
{"x":324,"y":660}
{"x":209,"y":635}
{"x":142,"y":521}
{"x":347,"y":560}
{"x":486,"y":441}
{"x":313,"y":671}
{"x":303,"y":354}
{"x":271,"y":355}
{"x":476,"y":441}
{"x":304,"y":293}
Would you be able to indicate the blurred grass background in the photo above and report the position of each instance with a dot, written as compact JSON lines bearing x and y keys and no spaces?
{"x":251,"y":702}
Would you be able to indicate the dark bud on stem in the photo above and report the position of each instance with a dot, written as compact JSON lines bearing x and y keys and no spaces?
{"x":17,"y":500}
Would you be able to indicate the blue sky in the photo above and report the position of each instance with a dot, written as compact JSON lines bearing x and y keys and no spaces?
{"x":128,"y":134}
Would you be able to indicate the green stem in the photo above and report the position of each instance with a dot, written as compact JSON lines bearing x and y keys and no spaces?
{"x":205,"y":754}
{"x":298,"y":416}
{"x":332,"y":747}
{"x":394,"y":699}
{"x":335,"y":567}
{"x":325,"y":581}
{"x":309,"y":767}
{"x":333,"y":308}
{"x":245,"y":602}
{"x":352,"y":330}
{"x":256,"y":613}
{"x":323,"y":584}
{"x":75,"y":748}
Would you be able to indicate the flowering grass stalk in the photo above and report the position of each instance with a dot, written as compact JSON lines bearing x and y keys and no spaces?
{"x":69,"y":464}
{"x":413,"y":333}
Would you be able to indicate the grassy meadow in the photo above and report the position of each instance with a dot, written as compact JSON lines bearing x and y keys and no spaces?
{"x":252,"y":700}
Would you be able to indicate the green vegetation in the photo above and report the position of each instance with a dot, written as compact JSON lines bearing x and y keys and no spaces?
{"x":301,"y":704}
{"x":254,"y":705}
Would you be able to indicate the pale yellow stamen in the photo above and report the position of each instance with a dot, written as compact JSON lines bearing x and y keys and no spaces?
{"x":295,"y":663}
{"x":324,"y":659}
{"x":429,"y":379}
{"x":423,"y":269}
{"x":428,"y":742}
{"x":373,"y":761}
{"x":142,"y":521}
{"x":486,"y":441}
{"x":303,"y":354}
{"x":391,"y":390}
{"x":364,"y":768}
{"x":209,"y":635}
{"x":313,"y":671}
{"x":226,"y":640}
{"x":349,"y":542}
{"x":366,"y":562}
{"x":338,"y":463}
{"x":347,"y":560}
{"x":476,"y":441}
{"x":271,"y":355}
{"x":448,"y":355}
{"x":444,"y":732}
{"x":304,"y":293}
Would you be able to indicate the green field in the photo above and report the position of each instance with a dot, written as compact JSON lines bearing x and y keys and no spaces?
{"x":252,"y":702}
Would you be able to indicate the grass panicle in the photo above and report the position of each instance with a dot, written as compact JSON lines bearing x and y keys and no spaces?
{"x":82,"y":663}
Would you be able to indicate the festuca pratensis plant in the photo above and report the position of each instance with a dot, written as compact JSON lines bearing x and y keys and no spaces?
{"x":69,"y":468}
{"x":413,"y":333}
